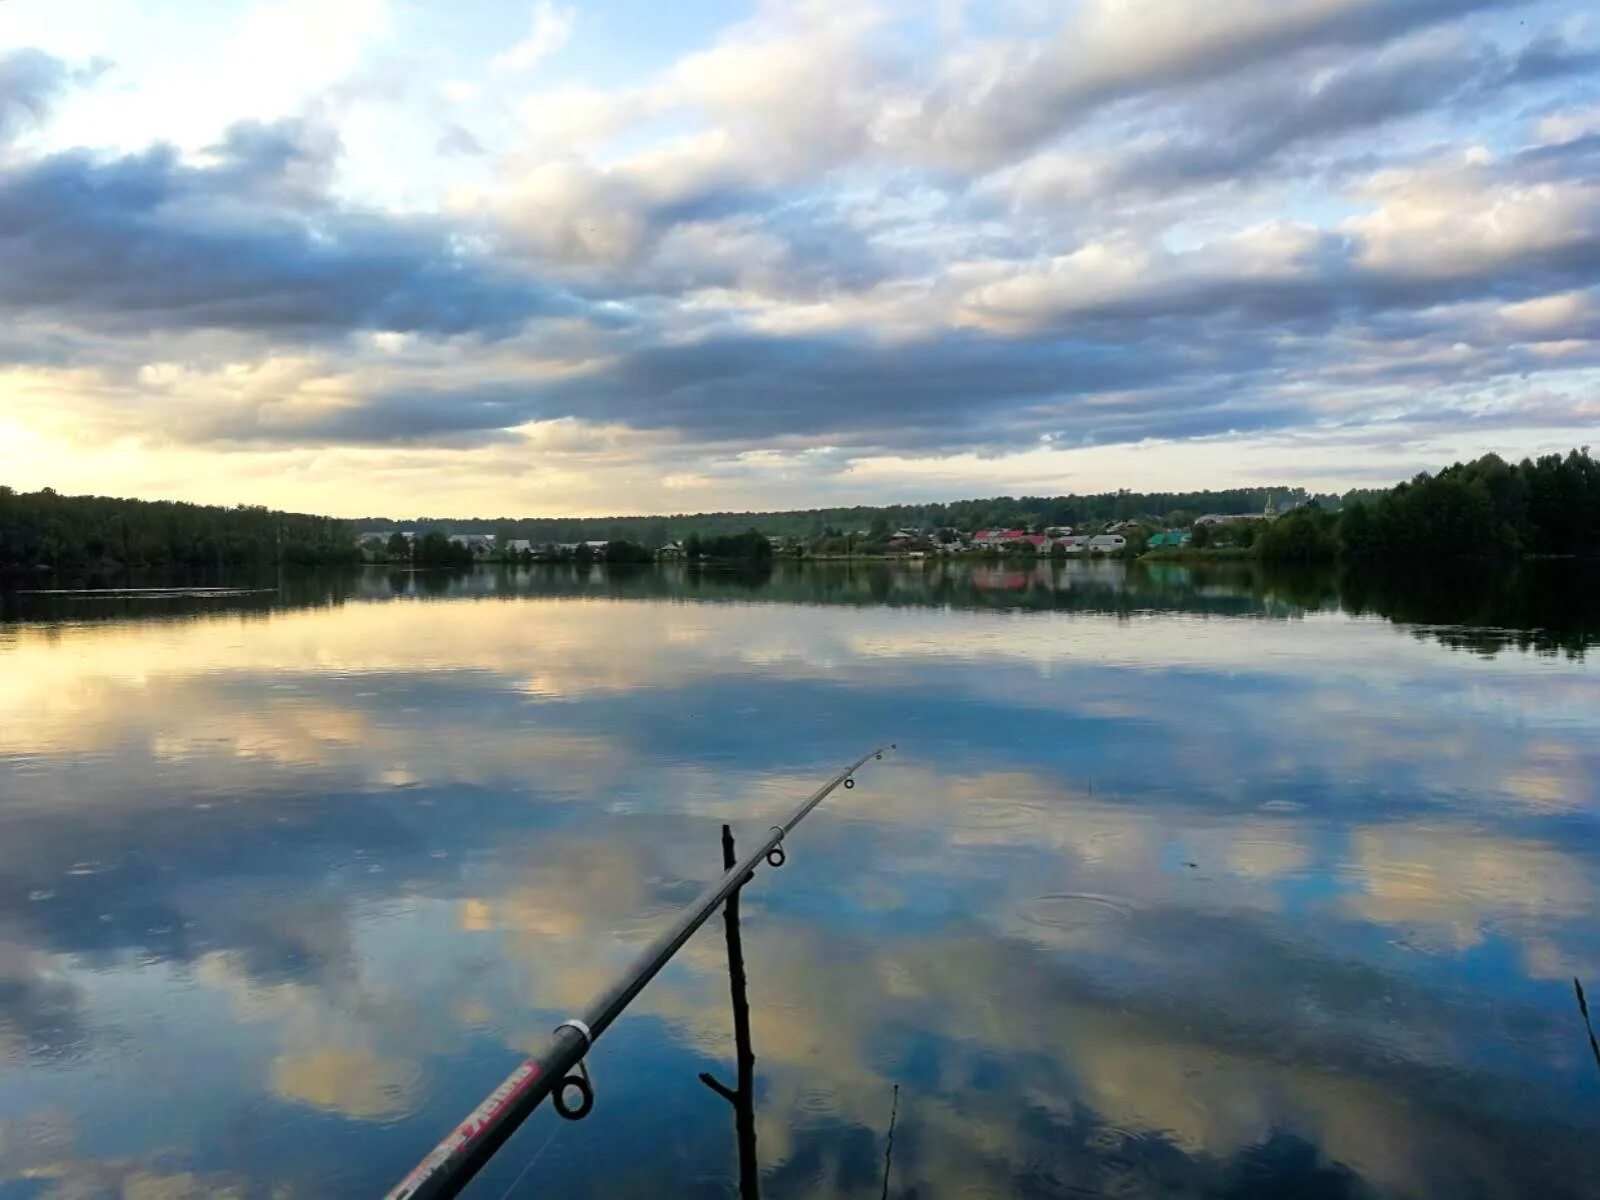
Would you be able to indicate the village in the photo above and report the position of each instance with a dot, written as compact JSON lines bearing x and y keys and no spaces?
{"x":1127,"y":538}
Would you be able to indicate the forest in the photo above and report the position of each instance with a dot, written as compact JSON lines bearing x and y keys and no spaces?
{"x":1487,"y":508}
{"x":1482,"y":509}
{"x":65,"y":533}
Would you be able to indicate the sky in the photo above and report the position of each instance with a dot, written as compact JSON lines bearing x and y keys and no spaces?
{"x":374,"y":257}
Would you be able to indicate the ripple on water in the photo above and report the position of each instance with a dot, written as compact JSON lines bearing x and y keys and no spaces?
{"x":1002,"y":813}
{"x":1265,"y":857}
{"x":1075,"y":910}
{"x":818,"y":1102}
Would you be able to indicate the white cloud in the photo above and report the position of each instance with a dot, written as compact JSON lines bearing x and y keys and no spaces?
{"x":1568,"y":126}
{"x":1555,"y":317}
{"x":1457,"y":219}
{"x":552,"y":28}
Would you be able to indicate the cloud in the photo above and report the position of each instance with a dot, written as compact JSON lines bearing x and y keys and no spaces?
{"x":249,"y":242}
{"x":352,"y":1081}
{"x":1225,"y":131}
{"x":836,"y":234}
{"x":552,"y":27}
{"x":29,"y":80}
{"x":1003,"y":98}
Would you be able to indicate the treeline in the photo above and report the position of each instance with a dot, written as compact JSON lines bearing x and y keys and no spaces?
{"x":746,"y":547}
{"x":64,"y":533}
{"x":1000,"y":512}
{"x":1484,"y":509}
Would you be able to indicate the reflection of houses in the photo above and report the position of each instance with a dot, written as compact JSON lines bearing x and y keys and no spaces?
{"x":986,"y":580}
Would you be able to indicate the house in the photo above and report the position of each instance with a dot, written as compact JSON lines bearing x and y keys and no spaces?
{"x":1170,"y":537}
{"x":993,"y":539}
{"x":1058,"y":531}
{"x":1106,"y":543}
{"x":1072,"y":544}
{"x":518,"y":546}
{"x":1231,"y":518}
{"x":1038,"y":541}
{"x":478,"y":543}
{"x":383,"y":535}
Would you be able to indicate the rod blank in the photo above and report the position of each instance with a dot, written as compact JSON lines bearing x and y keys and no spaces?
{"x":456,"y":1159}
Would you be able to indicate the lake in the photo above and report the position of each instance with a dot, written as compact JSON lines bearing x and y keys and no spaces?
{"x":1181,"y":882}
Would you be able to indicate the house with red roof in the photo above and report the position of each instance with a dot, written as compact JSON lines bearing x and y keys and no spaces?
{"x":995,"y":539}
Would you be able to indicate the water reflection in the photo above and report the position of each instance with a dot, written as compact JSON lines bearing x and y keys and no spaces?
{"x":1187,"y":882}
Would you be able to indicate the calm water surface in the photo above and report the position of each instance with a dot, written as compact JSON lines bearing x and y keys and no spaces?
{"x":1180,"y":885}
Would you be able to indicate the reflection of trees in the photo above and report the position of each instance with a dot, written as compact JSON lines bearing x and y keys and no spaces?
{"x":1547,"y":607}
{"x":1104,"y":588}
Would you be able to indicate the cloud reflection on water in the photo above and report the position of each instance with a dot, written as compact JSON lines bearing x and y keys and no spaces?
{"x":1143,"y":905}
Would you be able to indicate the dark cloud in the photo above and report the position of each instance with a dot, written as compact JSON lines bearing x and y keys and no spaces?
{"x":1235,"y":129}
{"x":1551,"y":56}
{"x":956,"y":391}
{"x":146,"y":243}
{"x":1042,"y":97}
{"x":29,"y":81}
{"x":1189,"y":354}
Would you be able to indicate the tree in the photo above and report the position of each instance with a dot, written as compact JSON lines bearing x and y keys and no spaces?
{"x":436,"y":550}
{"x":399,"y":548}
{"x":657,"y":535}
{"x":624,"y":551}
{"x":1201,"y":537}
{"x":1304,"y":535}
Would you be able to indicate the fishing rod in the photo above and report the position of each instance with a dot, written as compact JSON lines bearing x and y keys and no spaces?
{"x":454,"y":1161}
